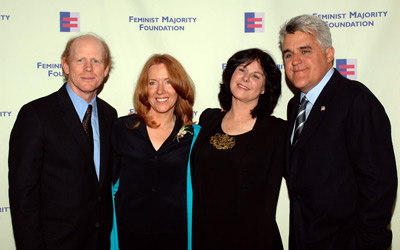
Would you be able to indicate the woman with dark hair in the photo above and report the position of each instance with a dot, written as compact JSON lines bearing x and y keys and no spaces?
{"x":238,"y":159}
{"x":151,"y":151}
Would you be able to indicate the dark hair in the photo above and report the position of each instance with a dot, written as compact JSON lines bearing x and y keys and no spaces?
{"x":268,"y":100}
{"x":180,"y":81}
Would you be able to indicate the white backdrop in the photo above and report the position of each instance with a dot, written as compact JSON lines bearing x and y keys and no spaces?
{"x":202,"y":35}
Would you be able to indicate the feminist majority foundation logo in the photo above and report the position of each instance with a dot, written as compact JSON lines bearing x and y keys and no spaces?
{"x":69,"y":21}
{"x":253,"y":22}
{"x":347,"y":67}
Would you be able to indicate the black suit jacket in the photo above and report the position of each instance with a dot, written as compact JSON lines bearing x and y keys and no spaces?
{"x":56,"y":199}
{"x":262,"y":163}
{"x":341,"y":174}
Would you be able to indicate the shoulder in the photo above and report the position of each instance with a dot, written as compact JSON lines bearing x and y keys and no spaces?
{"x":43,"y":101}
{"x":274,"y":123}
{"x":40,"y":106}
{"x":106,"y":108}
{"x":35,"y":114}
{"x":126,"y":121}
{"x":355,"y":94}
{"x":350,"y":88}
{"x":277,"y":121}
{"x":211,"y":115}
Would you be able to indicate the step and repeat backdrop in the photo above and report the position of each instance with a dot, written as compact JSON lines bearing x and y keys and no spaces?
{"x":202,"y":35}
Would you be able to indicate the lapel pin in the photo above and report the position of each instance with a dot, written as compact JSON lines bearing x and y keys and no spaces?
{"x":322,"y":108}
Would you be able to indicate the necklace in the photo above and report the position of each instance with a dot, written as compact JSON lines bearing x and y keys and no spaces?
{"x":222,"y":141}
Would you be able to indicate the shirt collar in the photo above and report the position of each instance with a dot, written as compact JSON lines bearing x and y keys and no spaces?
{"x":313,"y":94}
{"x":80,"y":104}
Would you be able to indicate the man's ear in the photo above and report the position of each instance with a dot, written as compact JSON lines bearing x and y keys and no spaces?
{"x":330,"y":54}
{"x":65,"y":65}
{"x":106,"y":70}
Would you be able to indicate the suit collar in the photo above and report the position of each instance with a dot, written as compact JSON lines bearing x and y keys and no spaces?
{"x":318,"y":111}
{"x":73,"y":123}
{"x":104,"y":128}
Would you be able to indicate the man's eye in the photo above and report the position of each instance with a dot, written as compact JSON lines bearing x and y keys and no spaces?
{"x":288,"y":56}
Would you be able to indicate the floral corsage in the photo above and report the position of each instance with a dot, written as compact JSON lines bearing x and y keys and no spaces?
{"x":182,"y":132}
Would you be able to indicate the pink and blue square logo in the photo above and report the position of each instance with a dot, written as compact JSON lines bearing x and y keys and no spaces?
{"x":253,"y":22}
{"x":69,"y":21}
{"x":347,"y":67}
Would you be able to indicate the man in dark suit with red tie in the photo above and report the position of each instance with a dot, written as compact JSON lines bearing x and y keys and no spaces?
{"x":341,"y":170}
{"x":59,"y":168}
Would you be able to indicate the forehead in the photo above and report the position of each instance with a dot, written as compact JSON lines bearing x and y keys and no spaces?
{"x":254,"y":65}
{"x":299,"y":39}
{"x":157,"y":69}
{"x":87,"y":45}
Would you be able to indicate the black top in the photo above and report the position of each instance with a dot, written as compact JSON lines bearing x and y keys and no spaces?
{"x":151,"y":200}
{"x":223,"y":177}
{"x":235,"y":190}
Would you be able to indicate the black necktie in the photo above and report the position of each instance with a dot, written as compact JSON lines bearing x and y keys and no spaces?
{"x":300,"y":120}
{"x":87,"y":124}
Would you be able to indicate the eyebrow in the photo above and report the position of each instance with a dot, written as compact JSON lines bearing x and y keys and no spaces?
{"x":154,"y":79}
{"x":255,"y":72}
{"x":306,"y":47}
{"x":300,"y":48}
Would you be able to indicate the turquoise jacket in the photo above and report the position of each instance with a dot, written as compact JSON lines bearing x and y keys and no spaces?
{"x":189,"y":200}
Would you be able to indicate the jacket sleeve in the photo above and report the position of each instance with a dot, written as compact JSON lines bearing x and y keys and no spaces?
{"x":371,"y":153}
{"x":26,"y":152}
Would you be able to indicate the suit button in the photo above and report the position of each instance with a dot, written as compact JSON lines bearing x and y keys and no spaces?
{"x":97,"y":224}
{"x":154,"y":189}
{"x":155,"y":157}
{"x":245,"y":171}
{"x":99,"y":198}
{"x":297,"y":197}
{"x":244,"y":188}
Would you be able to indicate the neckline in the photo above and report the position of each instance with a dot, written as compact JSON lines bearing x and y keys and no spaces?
{"x":247,"y":132}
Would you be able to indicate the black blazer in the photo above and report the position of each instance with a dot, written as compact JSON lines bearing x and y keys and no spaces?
{"x":263,"y":161}
{"x":55,"y":198}
{"x":341,"y":174}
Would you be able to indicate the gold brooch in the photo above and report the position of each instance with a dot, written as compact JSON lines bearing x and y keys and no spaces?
{"x":222,"y":141}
